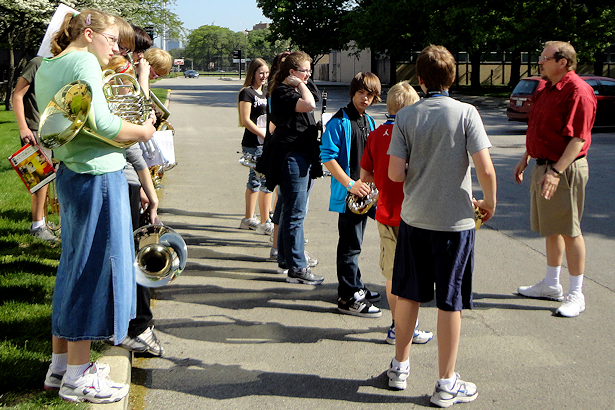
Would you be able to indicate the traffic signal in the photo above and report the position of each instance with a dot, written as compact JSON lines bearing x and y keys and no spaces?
{"x":237,"y":54}
{"x":150,"y":31}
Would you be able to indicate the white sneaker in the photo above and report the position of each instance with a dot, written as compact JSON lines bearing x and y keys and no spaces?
{"x":574,"y":303}
{"x":265,"y":228}
{"x":53,"y":380}
{"x":397,"y":377}
{"x":311,"y":261}
{"x":93,"y":387}
{"x":249,"y":223}
{"x":146,"y":342}
{"x":542,"y":291}
{"x":462,"y":392}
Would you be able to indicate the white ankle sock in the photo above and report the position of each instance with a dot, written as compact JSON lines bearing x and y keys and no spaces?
{"x":401,"y":365}
{"x":37,"y":224}
{"x":58,"y":362}
{"x":552,"y":277}
{"x":75,"y":372}
{"x":576,"y":283}
{"x":448,"y":383}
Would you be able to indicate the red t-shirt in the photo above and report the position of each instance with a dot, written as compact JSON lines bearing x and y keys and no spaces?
{"x":560,"y":112}
{"x":376,"y":160}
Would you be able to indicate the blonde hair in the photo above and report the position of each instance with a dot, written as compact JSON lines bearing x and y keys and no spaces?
{"x":126,"y":38}
{"x":73,"y":26}
{"x":160,"y":60}
{"x":119,"y":64}
{"x":401,"y":95}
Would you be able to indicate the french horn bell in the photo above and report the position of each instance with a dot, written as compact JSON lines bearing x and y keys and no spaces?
{"x":360,"y":205}
{"x":67,"y":115}
{"x":160,"y":255}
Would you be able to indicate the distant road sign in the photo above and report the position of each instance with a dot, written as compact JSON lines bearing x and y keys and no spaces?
{"x":178,"y":61}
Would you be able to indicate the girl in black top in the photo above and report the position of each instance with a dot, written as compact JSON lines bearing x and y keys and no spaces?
{"x":290,"y":156}
{"x":253,"y":116}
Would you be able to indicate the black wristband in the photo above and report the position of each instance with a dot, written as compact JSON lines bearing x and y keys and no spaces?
{"x":556,"y":171}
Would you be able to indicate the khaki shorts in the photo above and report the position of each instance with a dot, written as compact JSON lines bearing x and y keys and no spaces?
{"x":388,"y":243}
{"x":562,"y":213}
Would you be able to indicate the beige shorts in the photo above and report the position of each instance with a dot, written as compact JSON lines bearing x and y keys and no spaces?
{"x":388,"y":243}
{"x":562,"y":213}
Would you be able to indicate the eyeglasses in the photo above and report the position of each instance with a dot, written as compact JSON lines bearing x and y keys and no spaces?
{"x":111,"y":39}
{"x":304,"y":71}
{"x":544,"y":59}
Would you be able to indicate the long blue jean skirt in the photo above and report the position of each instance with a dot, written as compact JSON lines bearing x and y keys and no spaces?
{"x":95,"y":291}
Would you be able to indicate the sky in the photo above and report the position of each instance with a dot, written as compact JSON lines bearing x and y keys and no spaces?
{"x":236,"y":15}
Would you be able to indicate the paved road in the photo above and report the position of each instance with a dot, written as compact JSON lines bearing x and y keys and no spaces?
{"x":238,"y":336}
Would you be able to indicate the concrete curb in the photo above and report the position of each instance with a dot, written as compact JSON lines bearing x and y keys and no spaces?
{"x":120,"y":361}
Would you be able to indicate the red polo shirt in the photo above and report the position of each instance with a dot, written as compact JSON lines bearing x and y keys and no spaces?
{"x":560,"y":112}
{"x":376,"y":160}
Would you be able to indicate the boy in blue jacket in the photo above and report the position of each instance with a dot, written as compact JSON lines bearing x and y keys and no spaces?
{"x":342,"y":147}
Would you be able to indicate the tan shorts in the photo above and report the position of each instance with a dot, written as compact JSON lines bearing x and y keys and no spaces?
{"x":562,"y":213}
{"x":388,"y":243}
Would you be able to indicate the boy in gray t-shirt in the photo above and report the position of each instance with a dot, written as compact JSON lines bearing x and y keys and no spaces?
{"x":430,"y":148}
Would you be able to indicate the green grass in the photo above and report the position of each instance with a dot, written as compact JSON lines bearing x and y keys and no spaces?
{"x":27,"y":277}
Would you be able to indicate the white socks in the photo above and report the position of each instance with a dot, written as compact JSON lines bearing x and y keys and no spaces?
{"x":75,"y":372}
{"x":552,"y":277}
{"x":576,"y":284}
{"x":37,"y":224}
{"x":448,"y":383}
{"x":59,"y":362}
{"x":403,"y":366}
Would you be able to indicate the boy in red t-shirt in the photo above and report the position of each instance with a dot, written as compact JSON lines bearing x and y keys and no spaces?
{"x":374,"y":168}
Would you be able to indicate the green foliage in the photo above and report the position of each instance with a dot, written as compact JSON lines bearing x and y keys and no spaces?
{"x":311,"y":26}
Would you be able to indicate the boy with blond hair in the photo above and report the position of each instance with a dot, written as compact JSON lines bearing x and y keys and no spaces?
{"x":430,"y":152}
{"x":374,"y":168}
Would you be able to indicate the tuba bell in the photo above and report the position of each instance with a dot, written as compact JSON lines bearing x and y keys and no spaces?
{"x":360,"y":205}
{"x":67,"y":114}
{"x":160,"y":255}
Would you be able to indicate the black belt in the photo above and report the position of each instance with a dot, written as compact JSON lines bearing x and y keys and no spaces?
{"x":541,"y":161}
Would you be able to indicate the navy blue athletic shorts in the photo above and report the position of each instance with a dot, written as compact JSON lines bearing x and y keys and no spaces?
{"x":424,"y":258}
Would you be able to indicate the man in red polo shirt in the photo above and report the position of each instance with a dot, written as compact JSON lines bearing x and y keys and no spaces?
{"x":558,"y":137}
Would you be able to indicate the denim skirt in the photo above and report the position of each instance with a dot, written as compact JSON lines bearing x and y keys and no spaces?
{"x":95,"y":291}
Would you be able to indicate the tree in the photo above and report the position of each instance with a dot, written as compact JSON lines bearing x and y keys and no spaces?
{"x":312,"y":26}
{"x":259,"y":45}
{"x":209,"y":45}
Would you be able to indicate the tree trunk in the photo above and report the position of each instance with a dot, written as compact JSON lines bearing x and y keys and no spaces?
{"x":599,"y":63}
{"x":515,"y":67}
{"x":475,"y":75}
{"x":9,"y":85}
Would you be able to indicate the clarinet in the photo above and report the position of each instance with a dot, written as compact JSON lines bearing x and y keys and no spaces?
{"x":324,"y":109}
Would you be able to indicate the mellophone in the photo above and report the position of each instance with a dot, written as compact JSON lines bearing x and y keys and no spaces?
{"x":160,"y":252}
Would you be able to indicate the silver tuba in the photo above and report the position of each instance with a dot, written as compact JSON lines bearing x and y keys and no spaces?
{"x":160,"y":255}
{"x":361,"y":204}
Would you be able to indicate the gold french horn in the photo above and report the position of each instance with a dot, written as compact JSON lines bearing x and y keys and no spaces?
{"x":160,"y":255}
{"x":478,"y":217}
{"x":360,"y":205}
{"x":67,"y":115}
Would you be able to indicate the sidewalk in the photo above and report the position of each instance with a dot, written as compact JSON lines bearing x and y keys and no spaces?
{"x":236,"y":335}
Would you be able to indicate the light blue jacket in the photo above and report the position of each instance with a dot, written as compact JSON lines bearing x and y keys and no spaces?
{"x":336,"y":146}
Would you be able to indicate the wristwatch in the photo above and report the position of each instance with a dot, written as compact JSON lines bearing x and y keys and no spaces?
{"x":559,"y":174}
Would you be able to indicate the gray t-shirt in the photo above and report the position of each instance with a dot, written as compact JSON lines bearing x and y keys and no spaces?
{"x":436,"y":136}
{"x":134,"y":163}
{"x":29,"y":101}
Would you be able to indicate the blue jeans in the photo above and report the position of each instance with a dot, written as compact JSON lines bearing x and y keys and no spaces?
{"x":255,"y":182}
{"x":293,"y":195}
